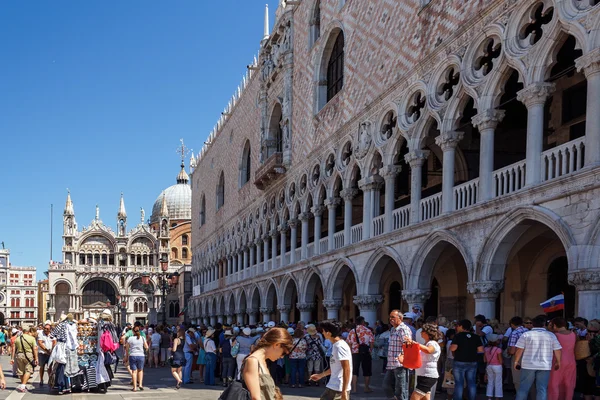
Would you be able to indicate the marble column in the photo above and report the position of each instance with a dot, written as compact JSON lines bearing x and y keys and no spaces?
{"x":266,"y":240}
{"x":333,"y":309}
{"x":448,"y":142}
{"x":305,"y":311}
{"x":282,"y":243}
{"x":331,"y":205}
{"x":318,"y":213}
{"x":239,"y":316}
{"x":416,"y":159}
{"x":485,"y":294}
{"x":371,"y":187}
{"x":245,"y":250}
{"x":251,"y":255}
{"x":486,"y":122}
{"x":240,"y":263}
{"x":229,"y":265}
{"x":258,"y":244}
{"x":367,"y":305}
{"x":414,"y":297}
{"x":389,"y":173}
{"x":587,"y":283}
{"x":229,"y":318}
{"x":293,"y":224}
{"x":252,"y":314}
{"x":590,"y":64}
{"x":304,"y":218}
{"x":266,"y":314}
{"x":284,"y":312}
{"x":534,"y":97}
{"x":274,"y":249}
{"x":347,"y":195}
{"x":213,"y":320}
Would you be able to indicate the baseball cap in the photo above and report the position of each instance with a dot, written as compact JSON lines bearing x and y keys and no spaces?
{"x":247,"y":331}
{"x":271,"y":324}
{"x":290,"y":330}
{"x":409,"y":315}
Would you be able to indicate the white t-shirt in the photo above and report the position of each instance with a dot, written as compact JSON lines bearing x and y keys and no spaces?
{"x":209,"y":346}
{"x":429,"y":361}
{"x":155,"y":339}
{"x":340,"y":351}
{"x":449,"y":354}
{"x":136,"y":346}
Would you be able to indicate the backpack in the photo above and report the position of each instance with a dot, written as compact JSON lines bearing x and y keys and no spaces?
{"x":235,"y":391}
{"x":235,"y":349}
{"x":106,"y":342}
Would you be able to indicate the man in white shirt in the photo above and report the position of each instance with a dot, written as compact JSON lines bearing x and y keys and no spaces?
{"x":45,"y":345}
{"x":340,"y":371}
{"x":538,"y":351}
{"x":189,"y":347}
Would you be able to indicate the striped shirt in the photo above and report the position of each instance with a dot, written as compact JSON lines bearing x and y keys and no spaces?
{"x":395,"y":344}
{"x":538,"y":348}
{"x":515,"y":335}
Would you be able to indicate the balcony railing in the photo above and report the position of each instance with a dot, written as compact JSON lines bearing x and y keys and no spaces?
{"x":324,"y":245}
{"x":465,"y":195}
{"x":509,"y":179}
{"x":356,"y":233}
{"x":563,"y":160}
{"x":401,"y":217}
{"x":338,"y":239}
{"x":269,"y":171}
{"x":431,"y":206}
{"x":378,"y":225}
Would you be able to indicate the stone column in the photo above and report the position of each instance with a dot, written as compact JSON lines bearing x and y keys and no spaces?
{"x":266,"y":314}
{"x":347,"y":195}
{"x":240,"y":262}
{"x":389,"y":173}
{"x":293,"y":224}
{"x":266,"y":240}
{"x":284,"y":312}
{"x":245,"y":250}
{"x":318,"y":213}
{"x":304,"y":218}
{"x":414,"y":297}
{"x":213,"y":320}
{"x":485,"y":294}
{"x":486,"y":122}
{"x":206,"y":320}
{"x":251,"y":255}
{"x":229,"y":265}
{"x":331,"y":204}
{"x":239,"y":316}
{"x":282,"y":243}
{"x":274,"y":249}
{"x":305,"y":311}
{"x":367,"y":304}
{"x":252,"y":313}
{"x":534,"y":97}
{"x":590,"y":64}
{"x":258,"y":244}
{"x":587,"y":283}
{"x":448,"y":142}
{"x":220,"y":318}
{"x":416,"y":159}
{"x":333,"y":309}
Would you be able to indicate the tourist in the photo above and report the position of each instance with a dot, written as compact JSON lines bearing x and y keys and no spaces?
{"x":246,"y":342}
{"x":466,"y":347}
{"x":409,"y":319}
{"x":135,"y":356}
{"x":25,"y":356}
{"x":165,"y":345}
{"x":201,"y":360}
{"x":314,"y":353}
{"x":2,"y":341}
{"x":178,"y":360}
{"x":340,"y":370}
{"x":298,"y":358}
{"x":395,"y":382}
{"x":210,"y":349}
{"x":381,"y":345}
{"x":427,"y":374}
{"x":562,"y":383}
{"x":449,"y":364}
{"x":45,"y":345}
{"x":155,"y":339}
{"x":517,"y":329}
{"x":361,"y":342}
{"x":228,"y":360}
{"x":276,"y":343}
{"x":493,"y":360}
{"x":189,"y":347}
{"x":535,"y":350}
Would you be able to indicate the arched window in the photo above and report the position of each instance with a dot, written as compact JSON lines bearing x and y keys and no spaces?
{"x":245,"y":172}
{"x":98,"y":291}
{"x":335,"y":68}
{"x":221,"y":191}
{"x":184,"y":240}
{"x":274,"y":143}
{"x":184,"y":253}
{"x":315,"y":23}
{"x":202,"y":210}
{"x":174,"y":253}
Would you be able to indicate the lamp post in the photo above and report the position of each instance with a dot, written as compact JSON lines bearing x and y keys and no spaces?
{"x":166,"y":281}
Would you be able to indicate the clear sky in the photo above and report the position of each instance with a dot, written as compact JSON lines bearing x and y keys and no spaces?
{"x":94,"y":97}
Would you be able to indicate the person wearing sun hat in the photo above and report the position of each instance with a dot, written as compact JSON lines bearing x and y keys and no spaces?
{"x":211,"y":357}
{"x":315,"y":353}
{"x":247,"y":342}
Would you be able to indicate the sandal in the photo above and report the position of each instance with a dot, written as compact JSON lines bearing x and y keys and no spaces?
{"x":178,"y":385}
{"x":141,"y":387}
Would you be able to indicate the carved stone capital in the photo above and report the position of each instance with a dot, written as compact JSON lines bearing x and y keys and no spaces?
{"x":449,"y":140}
{"x":415,"y":296}
{"x":273,"y":233}
{"x":390,"y":171}
{"x":488,"y":119}
{"x":283,"y":228}
{"x":305,"y":216}
{"x":318,"y":210}
{"x":304,"y":307}
{"x":589,"y":63}
{"x":251,"y":310}
{"x":416,"y":158}
{"x":258,"y":241}
{"x":283,"y":308}
{"x":239,"y":311}
{"x":332,"y":304}
{"x":371,"y":183}
{"x":485,"y":289}
{"x":585,"y":279}
{"x":332,"y":202}
{"x":348,"y":194}
{"x":266,"y":310}
{"x":292,"y":223}
{"x":536,"y":93}
{"x":368,"y":302}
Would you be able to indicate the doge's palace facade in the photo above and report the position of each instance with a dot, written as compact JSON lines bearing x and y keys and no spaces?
{"x":379,"y":155}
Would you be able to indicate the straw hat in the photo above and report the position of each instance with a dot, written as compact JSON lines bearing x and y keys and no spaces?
{"x":311,"y":329}
{"x":209,"y":333}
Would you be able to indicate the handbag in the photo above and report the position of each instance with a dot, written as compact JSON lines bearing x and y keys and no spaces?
{"x":412,"y":356}
{"x":362,"y":347}
{"x":448,"y":380}
{"x":235,"y":349}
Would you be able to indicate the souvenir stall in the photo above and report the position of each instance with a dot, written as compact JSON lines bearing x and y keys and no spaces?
{"x":82,"y":357}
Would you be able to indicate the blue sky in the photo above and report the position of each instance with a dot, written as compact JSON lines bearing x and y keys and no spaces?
{"x":94,"y":97}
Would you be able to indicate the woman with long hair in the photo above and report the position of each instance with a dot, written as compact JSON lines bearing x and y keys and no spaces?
{"x":210,"y":356}
{"x":135,"y":356}
{"x":276,"y":343}
{"x":178,"y":360}
{"x":427,"y":374}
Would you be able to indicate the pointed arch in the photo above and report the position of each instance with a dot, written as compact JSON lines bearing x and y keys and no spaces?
{"x":334,"y":286}
{"x":221,"y":191}
{"x":374,"y":268}
{"x":329,"y":77}
{"x":245,"y":165}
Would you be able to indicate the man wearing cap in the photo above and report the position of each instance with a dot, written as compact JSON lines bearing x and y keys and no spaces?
{"x":229,"y":362}
{"x":189,"y":348}
{"x":25,"y":355}
{"x":314,"y":352}
{"x":246,"y":344}
{"x":409,"y":320}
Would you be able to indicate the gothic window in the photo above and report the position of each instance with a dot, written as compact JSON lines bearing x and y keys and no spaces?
{"x":173,"y":309}
{"x":82,"y":259}
{"x":202,"y":211}
{"x":140,"y":305}
{"x":245,"y":172}
{"x":98,"y":291}
{"x":221,"y":191}
{"x":315,"y":23}
{"x":335,"y":68}
{"x":184,"y":253}
{"x":174,"y":253}
{"x":275,"y":135}
{"x":184,"y":240}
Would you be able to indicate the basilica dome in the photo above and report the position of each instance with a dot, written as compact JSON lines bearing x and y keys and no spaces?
{"x":178,"y":198}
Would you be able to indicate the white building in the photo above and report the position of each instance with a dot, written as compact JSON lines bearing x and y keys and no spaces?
{"x":18,"y":297}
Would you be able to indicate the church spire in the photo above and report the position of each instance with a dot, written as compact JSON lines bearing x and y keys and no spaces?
{"x":164,"y":210}
{"x":266,"y":27}
{"x":122,"y":214}
{"x":182,"y":177}
{"x":69,"y":210}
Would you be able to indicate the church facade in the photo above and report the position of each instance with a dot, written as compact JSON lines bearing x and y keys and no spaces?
{"x":102,"y":268}
{"x":382,"y":155}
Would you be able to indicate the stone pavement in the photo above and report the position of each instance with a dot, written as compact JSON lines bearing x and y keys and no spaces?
{"x":159,"y":384}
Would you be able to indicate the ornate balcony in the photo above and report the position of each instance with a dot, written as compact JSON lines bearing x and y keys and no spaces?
{"x":269,"y":171}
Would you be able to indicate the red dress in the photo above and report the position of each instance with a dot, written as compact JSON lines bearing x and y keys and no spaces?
{"x":562,"y":382}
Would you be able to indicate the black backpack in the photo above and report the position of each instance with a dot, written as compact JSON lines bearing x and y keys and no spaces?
{"x":235,"y":391}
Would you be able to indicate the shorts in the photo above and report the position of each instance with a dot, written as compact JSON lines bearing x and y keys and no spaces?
{"x":425,"y":384}
{"x":359,"y":359}
{"x":136,"y":363}
{"x":23,"y":364}
{"x":164,"y":353}
{"x":331,"y":394}
{"x":154,"y":351}
{"x":43,"y":359}
{"x":314,"y":366}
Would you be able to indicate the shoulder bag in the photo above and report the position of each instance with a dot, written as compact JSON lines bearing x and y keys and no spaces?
{"x":362,"y":347}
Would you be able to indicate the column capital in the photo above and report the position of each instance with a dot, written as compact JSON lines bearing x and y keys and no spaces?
{"x":239,"y":311}
{"x":536,"y":93}
{"x":292,"y":223}
{"x":485,"y":289}
{"x":273,"y":233}
{"x":283,"y":308}
{"x":371,"y":183}
{"x":589,"y":63}
{"x":368,"y":302}
{"x":416,"y":296}
{"x":333,"y":202}
{"x":305,"y":216}
{"x":251,"y":310}
{"x":449,"y":140}
{"x":348,"y":194}
{"x":488,"y":119}
{"x":258,"y":241}
{"x":304,"y":307}
{"x":266,"y":310}
{"x":283,"y":227}
{"x":332,"y":304}
{"x":318,"y":210}
{"x":390,"y":171}
{"x":416,"y":158}
{"x":585,"y":279}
